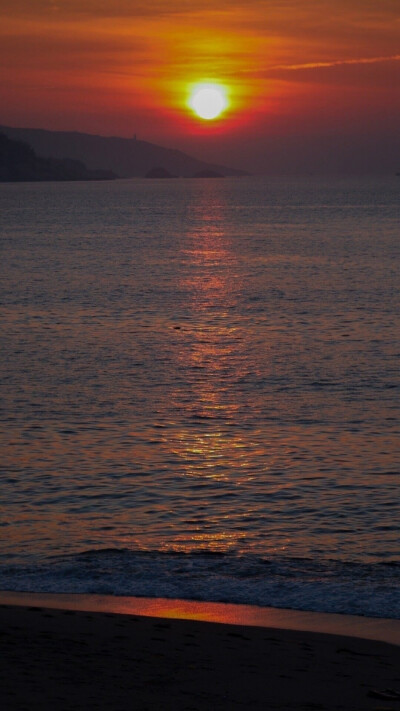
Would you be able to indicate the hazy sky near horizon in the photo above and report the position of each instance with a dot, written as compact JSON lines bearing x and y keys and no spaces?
{"x":310,"y":84}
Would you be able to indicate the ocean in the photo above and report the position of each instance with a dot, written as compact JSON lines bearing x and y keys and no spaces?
{"x":200,"y":390}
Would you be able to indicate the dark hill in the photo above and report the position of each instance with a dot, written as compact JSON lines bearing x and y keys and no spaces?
{"x":19,"y":162}
{"x":127,"y":157}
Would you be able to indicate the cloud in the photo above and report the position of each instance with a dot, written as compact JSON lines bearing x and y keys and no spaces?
{"x":336,"y":63}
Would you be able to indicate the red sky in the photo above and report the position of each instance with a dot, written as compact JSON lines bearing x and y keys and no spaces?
{"x":312,"y":84}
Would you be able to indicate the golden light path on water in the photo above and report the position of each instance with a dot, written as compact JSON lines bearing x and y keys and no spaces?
{"x":217,"y":351}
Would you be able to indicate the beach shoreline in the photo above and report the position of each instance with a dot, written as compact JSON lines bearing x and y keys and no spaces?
{"x":70,"y":658}
{"x":373,"y":628}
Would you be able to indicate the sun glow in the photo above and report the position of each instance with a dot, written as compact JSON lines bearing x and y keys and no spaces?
{"x":208,"y":101}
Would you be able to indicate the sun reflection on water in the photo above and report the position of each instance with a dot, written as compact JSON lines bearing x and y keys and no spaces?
{"x":207,"y":444}
{"x":213,"y":352}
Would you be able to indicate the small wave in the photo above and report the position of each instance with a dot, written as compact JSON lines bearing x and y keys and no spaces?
{"x":276,"y":581}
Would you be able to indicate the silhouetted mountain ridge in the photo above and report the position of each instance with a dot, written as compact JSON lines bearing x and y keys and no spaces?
{"x":127,"y":157}
{"x":19,"y":163}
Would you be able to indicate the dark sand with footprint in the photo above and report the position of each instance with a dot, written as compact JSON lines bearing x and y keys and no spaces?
{"x":61,"y":659}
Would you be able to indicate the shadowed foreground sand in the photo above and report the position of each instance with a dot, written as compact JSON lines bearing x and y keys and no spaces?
{"x":63,"y":659}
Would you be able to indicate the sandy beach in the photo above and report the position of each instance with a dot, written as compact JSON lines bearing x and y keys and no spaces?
{"x":54,"y":659}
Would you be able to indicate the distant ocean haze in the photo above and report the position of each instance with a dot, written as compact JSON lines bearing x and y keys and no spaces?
{"x":202,"y":378}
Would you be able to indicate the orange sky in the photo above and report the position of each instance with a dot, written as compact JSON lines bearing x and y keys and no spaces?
{"x":295,"y":71}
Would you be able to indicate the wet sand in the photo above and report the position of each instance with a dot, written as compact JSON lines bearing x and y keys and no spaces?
{"x":54,"y":659}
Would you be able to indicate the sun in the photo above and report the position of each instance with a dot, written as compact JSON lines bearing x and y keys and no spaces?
{"x":208,"y":101}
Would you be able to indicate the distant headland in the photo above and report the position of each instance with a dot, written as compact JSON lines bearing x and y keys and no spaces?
{"x":119,"y":157}
{"x":20,"y":163}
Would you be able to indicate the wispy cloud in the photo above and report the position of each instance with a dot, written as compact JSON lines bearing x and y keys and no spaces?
{"x":336,"y":63}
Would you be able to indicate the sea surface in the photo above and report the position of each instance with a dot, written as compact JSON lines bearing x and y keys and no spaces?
{"x":200,"y":390}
